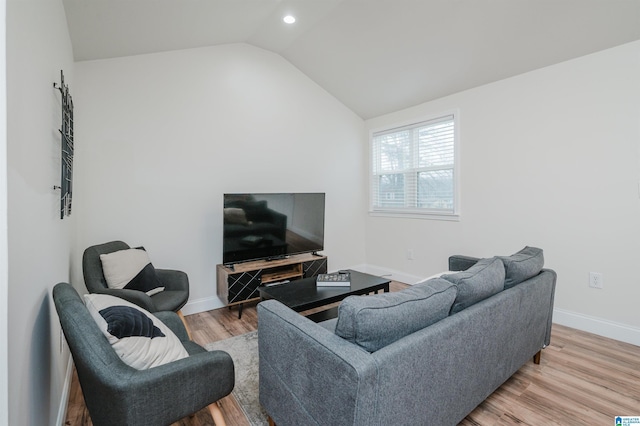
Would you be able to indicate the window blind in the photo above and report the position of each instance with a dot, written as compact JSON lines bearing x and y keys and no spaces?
{"x":413,"y":168}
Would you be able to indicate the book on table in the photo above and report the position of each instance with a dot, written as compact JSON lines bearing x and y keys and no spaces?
{"x":334,"y":280}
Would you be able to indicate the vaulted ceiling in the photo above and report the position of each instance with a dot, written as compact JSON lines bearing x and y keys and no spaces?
{"x":375,"y":56}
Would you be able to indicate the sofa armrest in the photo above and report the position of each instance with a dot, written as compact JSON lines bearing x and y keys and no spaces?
{"x":175,"y":324}
{"x":324,"y":379}
{"x":461,"y":263}
{"x":173,"y":280}
{"x":554,"y":278}
{"x":168,"y":392}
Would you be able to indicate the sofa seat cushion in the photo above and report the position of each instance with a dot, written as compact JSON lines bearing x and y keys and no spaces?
{"x":521,"y":266}
{"x":139,"y":338}
{"x":482,"y":280}
{"x":373,"y":322}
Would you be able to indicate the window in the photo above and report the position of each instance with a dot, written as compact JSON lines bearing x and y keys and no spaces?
{"x":414,"y":169}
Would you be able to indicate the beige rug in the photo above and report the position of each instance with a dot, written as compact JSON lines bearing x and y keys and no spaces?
{"x":244,"y":351}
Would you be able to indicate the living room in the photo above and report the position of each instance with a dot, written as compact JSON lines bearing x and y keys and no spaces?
{"x":162,"y":136}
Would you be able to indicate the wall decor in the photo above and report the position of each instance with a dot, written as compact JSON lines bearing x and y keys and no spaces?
{"x":66,"y":151}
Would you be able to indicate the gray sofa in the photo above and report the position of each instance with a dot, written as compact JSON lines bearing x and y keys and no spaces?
{"x":435,"y":375}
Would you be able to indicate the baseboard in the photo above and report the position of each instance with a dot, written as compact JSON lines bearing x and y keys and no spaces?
{"x":202,"y":305}
{"x":64,"y":398}
{"x":599,"y":326}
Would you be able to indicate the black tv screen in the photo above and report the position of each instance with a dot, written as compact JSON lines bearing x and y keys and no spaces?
{"x":271,"y":226}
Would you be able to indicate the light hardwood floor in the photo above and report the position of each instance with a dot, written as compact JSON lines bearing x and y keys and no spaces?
{"x":583,"y":379}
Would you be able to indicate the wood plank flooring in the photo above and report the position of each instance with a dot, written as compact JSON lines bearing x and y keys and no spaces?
{"x":583,"y":379}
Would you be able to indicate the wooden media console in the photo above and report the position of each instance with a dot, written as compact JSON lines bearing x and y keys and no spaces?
{"x":237,"y":284}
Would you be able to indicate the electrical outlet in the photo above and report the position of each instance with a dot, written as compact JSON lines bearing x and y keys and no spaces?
{"x":410,"y":254}
{"x":596,"y":280}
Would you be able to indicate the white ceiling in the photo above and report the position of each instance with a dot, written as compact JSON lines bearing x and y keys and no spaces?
{"x":376,"y":56}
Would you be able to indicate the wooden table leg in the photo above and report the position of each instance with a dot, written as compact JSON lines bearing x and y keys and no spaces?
{"x":185,"y":324}
{"x":216,"y":413}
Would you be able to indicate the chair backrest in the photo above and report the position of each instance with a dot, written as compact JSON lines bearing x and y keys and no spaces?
{"x":118,"y":394}
{"x":96,"y":361}
{"x":101,"y":372}
{"x":92,"y":266}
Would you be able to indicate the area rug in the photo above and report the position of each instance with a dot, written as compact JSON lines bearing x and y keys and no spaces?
{"x":244,"y":352}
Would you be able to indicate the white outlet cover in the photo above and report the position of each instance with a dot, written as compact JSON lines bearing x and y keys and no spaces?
{"x":596,"y":280}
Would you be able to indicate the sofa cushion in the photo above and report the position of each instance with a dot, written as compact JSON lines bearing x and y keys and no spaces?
{"x":438,"y":275}
{"x":139,"y":338}
{"x":130,"y":269}
{"x":372,"y":322}
{"x":480,"y":281}
{"x":522,"y":265}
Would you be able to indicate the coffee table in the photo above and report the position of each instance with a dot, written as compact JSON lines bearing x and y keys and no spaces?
{"x":301,"y":295}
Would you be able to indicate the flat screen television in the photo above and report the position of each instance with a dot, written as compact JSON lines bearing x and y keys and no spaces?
{"x":271,"y":226}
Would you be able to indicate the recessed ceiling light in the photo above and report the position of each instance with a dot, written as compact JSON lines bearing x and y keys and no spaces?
{"x":289,"y":19}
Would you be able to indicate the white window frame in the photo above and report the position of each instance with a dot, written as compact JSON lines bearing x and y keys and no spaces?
{"x":412,"y":211}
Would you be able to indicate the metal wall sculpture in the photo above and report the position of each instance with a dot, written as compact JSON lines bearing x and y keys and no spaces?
{"x":66,"y":151}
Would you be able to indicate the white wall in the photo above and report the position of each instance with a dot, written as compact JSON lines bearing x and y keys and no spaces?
{"x":163,"y":136}
{"x":4,"y":244}
{"x":548,"y":159}
{"x":38,"y":47}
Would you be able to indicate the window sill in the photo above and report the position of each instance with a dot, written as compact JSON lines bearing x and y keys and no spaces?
{"x":414,"y":215}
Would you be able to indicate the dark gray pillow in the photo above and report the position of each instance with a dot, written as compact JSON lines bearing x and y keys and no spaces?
{"x":373,"y":322}
{"x":482,"y":280}
{"x":522,"y":265}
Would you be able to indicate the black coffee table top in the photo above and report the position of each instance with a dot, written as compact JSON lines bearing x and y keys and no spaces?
{"x":304,"y":294}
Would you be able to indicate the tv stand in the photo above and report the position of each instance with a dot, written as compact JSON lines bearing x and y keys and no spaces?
{"x":238,"y":284}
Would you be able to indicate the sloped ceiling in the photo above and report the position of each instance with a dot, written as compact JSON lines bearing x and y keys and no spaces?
{"x":375,"y":56}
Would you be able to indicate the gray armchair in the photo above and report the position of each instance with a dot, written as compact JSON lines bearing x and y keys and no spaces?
{"x":176,"y":283}
{"x":117,"y":394}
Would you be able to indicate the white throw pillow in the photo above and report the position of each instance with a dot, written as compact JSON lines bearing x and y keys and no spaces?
{"x":130,"y":269}
{"x":137,"y":336}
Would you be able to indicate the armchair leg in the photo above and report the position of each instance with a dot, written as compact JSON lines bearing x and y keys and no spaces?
{"x":216,"y":413}
{"x":185,"y":324}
